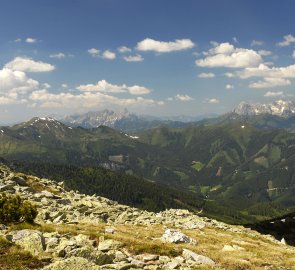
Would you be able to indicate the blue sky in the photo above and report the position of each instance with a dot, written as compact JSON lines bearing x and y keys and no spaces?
{"x":154,"y":57}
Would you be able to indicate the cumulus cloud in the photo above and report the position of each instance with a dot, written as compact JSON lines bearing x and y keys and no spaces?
{"x":18,"y":40}
{"x":226,"y":55}
{"x":206,"y":75}
{"x":15,"y":81}
{"x":106,"y":87}
{"x":108,"y":55}
{"x":271,"y":76}
{"x":264,"y":71}
{"x":229,"y":86}
{"x":86,"y":99}
{"x":183,"y":97}
{"x":270,"y":82}
{"x":59,"y":55}
{"x":229,"y":74}
{"x":94,"y":52}
{"x":64,"y":85}
{"x":212,"y":101}
{"x":124,"y":49}
{"x":274,"y":94}
{"x":31,"y":40}
{"x":256,"y":43}
{"x":46,"y":85}
{"x":265,"y":53}
{"x":149,"y":44}
{"x":288,"y":39}
{"x":26,"y":64}
{"x":138,"y":90}
{"x":133,"y":58}
{"x":14,"y":85}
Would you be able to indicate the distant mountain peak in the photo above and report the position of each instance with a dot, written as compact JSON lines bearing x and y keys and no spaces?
{"x":280,"y":108}
{"x":94,"y":119}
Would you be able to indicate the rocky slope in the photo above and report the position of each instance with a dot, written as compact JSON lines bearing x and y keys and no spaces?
{"x":77,"y":231}
{"x":280,"y":108}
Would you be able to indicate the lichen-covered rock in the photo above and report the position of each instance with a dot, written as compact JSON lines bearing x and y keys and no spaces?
{"x":108,"y":244}
{"x":30,"y":240}
{"x":197,"y":258}
{"x":72,"y":263}
{"x":174,"y":236}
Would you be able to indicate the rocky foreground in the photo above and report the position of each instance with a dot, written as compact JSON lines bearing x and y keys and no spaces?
{"x":76,"y":231}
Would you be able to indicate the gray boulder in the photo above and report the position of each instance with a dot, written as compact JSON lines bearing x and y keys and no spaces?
{"x":198,"y":259}
{"x":30,"y":240}
{"x":72,"y":263}
{"x":174,"y":236}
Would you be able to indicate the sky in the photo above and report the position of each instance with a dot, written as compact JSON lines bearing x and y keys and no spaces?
{"x":157,"y":57}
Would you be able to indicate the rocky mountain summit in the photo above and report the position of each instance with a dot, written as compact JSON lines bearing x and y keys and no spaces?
{"x":279,"y":108}
{"x":77,"y":231}
{"x":95,"y":119}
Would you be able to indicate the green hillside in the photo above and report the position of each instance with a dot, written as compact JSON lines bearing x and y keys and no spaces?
{"x":239,"y":170}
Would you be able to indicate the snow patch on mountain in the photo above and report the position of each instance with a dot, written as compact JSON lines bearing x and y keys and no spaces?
{"x":280,"y":108}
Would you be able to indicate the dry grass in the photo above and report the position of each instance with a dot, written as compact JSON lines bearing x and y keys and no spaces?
{"x":13,"y":257}
{"x":259,"y":252}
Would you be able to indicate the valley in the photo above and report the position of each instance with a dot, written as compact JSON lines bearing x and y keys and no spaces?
{"x":236,"y":172}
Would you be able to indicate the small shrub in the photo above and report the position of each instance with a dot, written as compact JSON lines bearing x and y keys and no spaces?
{"x":14,"y":209}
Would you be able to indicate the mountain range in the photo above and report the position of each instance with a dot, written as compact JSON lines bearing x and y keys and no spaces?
{"x":241,"y":172}
{"x":278,"y":114}
{"x":126,"y":121}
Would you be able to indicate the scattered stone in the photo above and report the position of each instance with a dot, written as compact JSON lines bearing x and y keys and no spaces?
{"x":109,"y":230}
{"x":232,"y":248}
{"x":72,"y":263}
{"x":30,"y":240}
{"x":198,"y":259}
{"x":174,"y":236}
{"x":108,"y":244}
{"x":283,"y":241}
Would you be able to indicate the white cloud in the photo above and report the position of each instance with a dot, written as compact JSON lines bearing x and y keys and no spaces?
{"x":272,"y":76}
{"x":256,"y":43}
{"x":108,"y":55}
{"x":265,"y":53}
{"x":264,"y":71}
{"x":15,"y":81}
{"x":229,"y":74}
{"x":133,"y":58}
{"x":106,"y":87}
{"x":149,"y":44}
{"x":274,"y":94}
{"x":206,"y":75}
{"x":86,"y":100}
{"x":59,"y":55}
{"x":46,"y":85}
{"x":103,"y":86}
{"x":14,"y":85}
{"x":288,"y":39}
{"x":64,"y":85}
{"x":212,"y":101}
{"x":229,"y":86}
{"x":226,"y":55}
{"x":183,"y":97}
{"x":138,"y":90}
{"x":293,"y":55}
{"x":94,"y":52}
{"x":270,"y":82}
{"x":29,"y":65}
{"x":31,"y":40}
{"x":18,"y":40}
{"x":124,"y":49}
{"x":235,"y":40}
